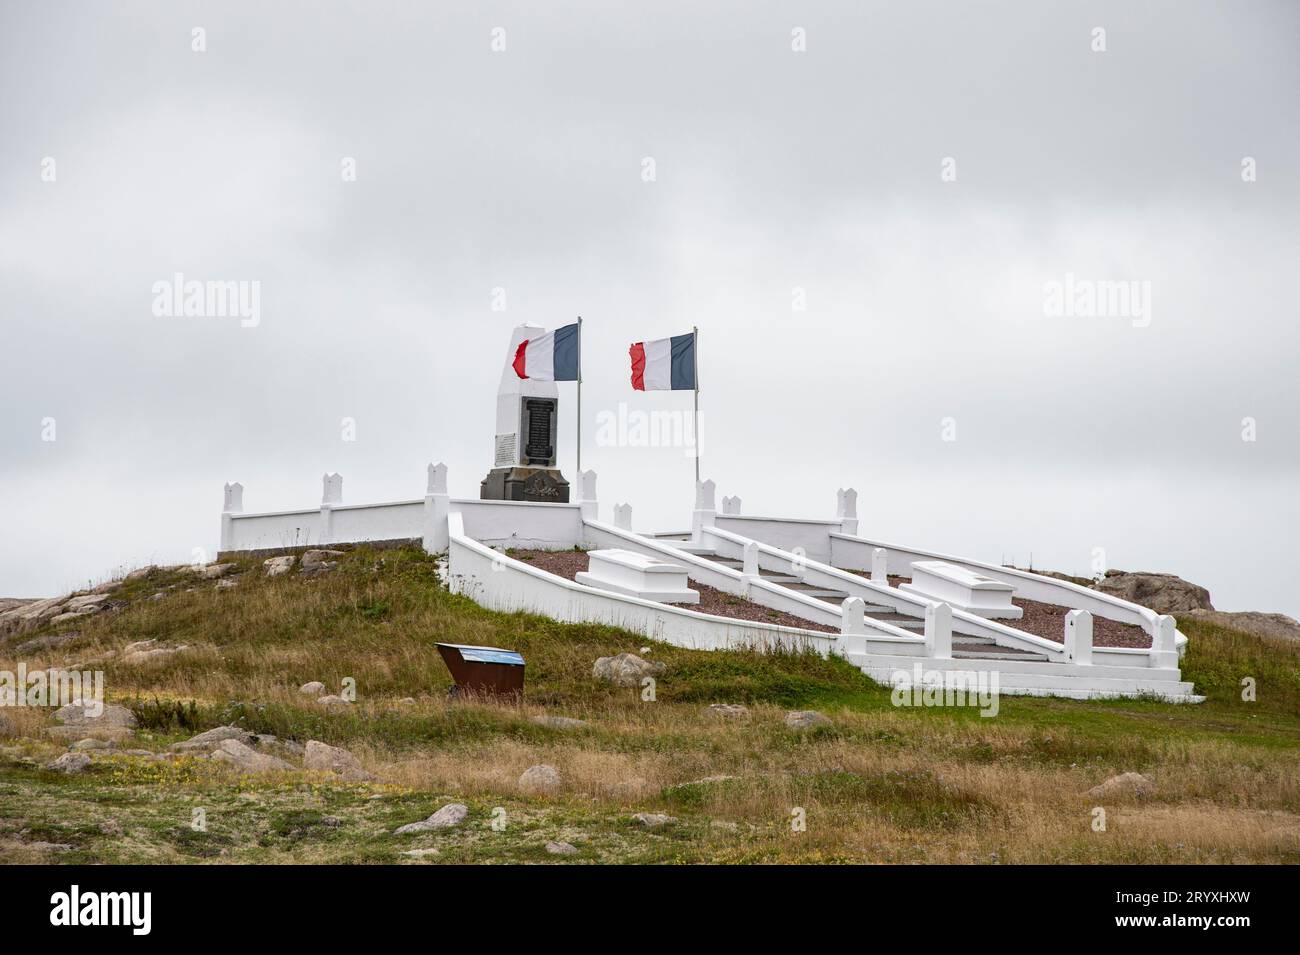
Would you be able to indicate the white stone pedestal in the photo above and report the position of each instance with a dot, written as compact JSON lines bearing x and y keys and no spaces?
{"x":963,"y":589}
{"x":626,"y":572}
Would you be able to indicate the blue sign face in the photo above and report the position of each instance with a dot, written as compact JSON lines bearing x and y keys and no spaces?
{"x":487,"y":654}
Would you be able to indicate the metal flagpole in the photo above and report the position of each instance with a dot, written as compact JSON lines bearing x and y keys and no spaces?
{"x":695,"y":356}
{"x":579,"y":400}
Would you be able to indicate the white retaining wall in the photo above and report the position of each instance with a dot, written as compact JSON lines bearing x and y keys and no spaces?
{"x":499,"y":523}
{"x":519,"y":524}
{"x":812,"y":538}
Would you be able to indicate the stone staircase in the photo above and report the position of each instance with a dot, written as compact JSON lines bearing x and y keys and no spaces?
{"x":964,"y":646}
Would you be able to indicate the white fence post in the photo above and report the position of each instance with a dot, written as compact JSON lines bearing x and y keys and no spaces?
{"x":587,"y":495}
{"x":331,"y":494}
{"x":436,"y":507}
{"x":880,"y":566}
{"x":623,"y":516}
{"x":846,"y":510}
{"x":332,"y":489}
{"x":938,"y":631}
{"x":706,"y":509}
{"x":1078,"y":636}
{"x":1164,"y":651}
{"x":233,"y":503}
{"x":731,"y":505}
{"x":853,"y":627}
{"x":750,"y":561}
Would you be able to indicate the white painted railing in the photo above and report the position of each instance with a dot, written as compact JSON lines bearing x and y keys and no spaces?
{"x":731,"y":581}
{"x":856,"y":552}
{"x":503,"y":523}
{"x":818,"y":574}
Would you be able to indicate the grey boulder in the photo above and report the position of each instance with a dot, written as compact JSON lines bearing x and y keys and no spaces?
{"x":314,"y":560}
{"x":806,"y":719}
{"x":209,"y":738}
{"x":82,"y":714}
{"x":247,"y":759}
{"x":332,"y":759}
{"x":728,"y":711}
{"x":653,"y":820}
{"x":275,"y":566}
{"x":448,"y":817}
{"x":540,"y":779}
{"x":625,"y":669}
{"x":1125,"y":784}
{"x":558,"y":722}
{"x":70,"y":763}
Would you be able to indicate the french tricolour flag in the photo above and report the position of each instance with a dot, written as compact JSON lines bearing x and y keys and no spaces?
{"x":666,"y":364}
{"x":549,"y":357}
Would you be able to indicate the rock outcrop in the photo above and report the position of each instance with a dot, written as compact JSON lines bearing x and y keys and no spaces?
{"x":1163,"y":593}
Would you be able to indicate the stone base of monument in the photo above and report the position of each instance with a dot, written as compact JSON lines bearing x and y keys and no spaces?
{"x":636,"y":575}
{"x":534,"y":485}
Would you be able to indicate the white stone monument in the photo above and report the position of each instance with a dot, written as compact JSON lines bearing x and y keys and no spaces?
{"x":524,"y":465}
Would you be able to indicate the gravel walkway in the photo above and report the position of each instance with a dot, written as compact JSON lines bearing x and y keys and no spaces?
{"x":1048,"y":620}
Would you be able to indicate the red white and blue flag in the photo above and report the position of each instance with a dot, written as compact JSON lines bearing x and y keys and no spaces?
{"x":550,"y":357}
{"x":666,"y":364}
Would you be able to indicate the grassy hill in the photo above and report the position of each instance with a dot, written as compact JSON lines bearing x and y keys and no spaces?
{"x":882,"y":784}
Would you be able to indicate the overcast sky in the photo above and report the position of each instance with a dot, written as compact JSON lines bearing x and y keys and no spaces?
{"x":780,"y":177}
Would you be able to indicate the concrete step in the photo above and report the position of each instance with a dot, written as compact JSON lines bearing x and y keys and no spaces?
{"x":967,"y":646}
{"x":1030,"y":670}
{"x":699,"y":550}
{"x":1044,"y":679}
{"x":897,"y":619}
{"x":821,"y":593}
{"x":991,"y":651}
